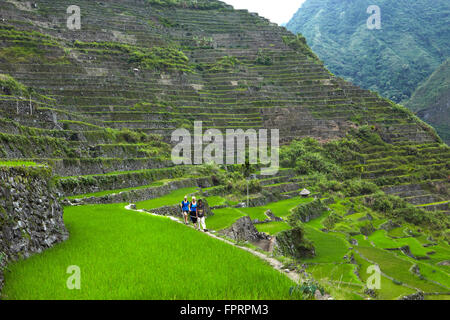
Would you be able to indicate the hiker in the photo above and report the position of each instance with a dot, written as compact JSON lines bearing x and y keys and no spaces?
{"x":201,"y":215}
{"x":184,"y":205}
{"x":193,"y":211}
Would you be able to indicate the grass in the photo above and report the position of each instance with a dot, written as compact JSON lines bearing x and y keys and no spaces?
{"x":130,"y":255}
{"x":441,"y":254}
{"x":273,"y":228}
{"x":167,"y":200}
{"x":329,"y":247}
{"x":317,"y":223}
{"x":215,"y":201}
{"x":13,"y":163}
{"x":398,"y":232}
{"x":223,"y":218}
{"x":398,"y":268}
{"x":388,"y":289}
{"x":108,"y":192}
{"x":335,"y":272}
{"x":280,"y":209}
{"x":435,"y":274}
{"x":381,"y":240}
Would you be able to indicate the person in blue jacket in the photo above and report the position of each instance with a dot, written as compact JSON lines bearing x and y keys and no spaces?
{"x":193,"y":211}
{"x":184,"y":205}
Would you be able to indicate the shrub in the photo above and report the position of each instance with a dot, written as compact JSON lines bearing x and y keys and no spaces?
{"x":263,"y":58}
{"x":367,"y":228}
{"x":401,"y":211}
{"x":226,"y":63}
{"x":298,"y":43}
{"x":292,"y":243}
{"x":307,"y":156}
{"x":307,"y":289}
{"x":353,"y":188}
{"x":161,"y":58}
{"x":11,"y":86}
{"x":307,"y":211}
{"x":330,"y":221}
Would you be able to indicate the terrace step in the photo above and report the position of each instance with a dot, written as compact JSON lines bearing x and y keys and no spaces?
{"x":442,"y":206}
{"x":155,"y":190}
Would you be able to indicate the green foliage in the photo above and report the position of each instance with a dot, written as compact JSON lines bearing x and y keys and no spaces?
{"x":352,"y":188}
{"x":292,"y":243}
{"x":172,"y":198}
{"x":307,"y":156}
{"x":431,"y":98}
{"x":204,"y":42}
{"x":193,"y":4}
{"x":161,"y":58}
{"x":307,"y":289}
{"x":226,"y":63}
{"x":307,"y":211}
{"x":366,"y":228}
{"x":263,"y":58}
{"x":143,"y":257}
{"x":392,"y":61}
{"x":11,"y":86}
{"x":15,"y":163}
{"x":154,"y":58}
{"x":399,"y":210}
{"x":223,"y":218}
{"x":368,"y":135}
{"x":232,"y":179}
{"x":330,"y":221}
{"x":28,"y":54}
{"x":345,"y":149}
{"x":298,"y":43}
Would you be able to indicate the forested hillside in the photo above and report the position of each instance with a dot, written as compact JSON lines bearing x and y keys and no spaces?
{"x":434,"y":94}
{"x":412,"y":43}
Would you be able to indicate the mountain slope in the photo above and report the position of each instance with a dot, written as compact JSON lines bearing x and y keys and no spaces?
{"x":432,"y":100}
{"x":411,"y":44}
{"x":98,"y":105}
{"x":107,"y":97}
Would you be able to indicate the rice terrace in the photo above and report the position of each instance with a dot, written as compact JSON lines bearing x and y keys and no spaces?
{"x":188,"y":150}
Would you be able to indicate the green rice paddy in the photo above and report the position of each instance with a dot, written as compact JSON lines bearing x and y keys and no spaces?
{"x":14,"y":163}
{"x":223,"y":218}
{"x":108,"y":192}
{"x":128,"y":255}
{"x":172,"y":198}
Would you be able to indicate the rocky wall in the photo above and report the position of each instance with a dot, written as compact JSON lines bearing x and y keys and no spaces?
{"x":31,"y":219}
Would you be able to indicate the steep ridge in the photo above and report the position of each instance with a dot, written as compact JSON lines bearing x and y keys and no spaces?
{"x":408,"y":47}
{"x":394,"y":60}
{"x":432,"y":100}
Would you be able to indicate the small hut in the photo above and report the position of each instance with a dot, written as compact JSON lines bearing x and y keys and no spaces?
{"x":305,"y":193}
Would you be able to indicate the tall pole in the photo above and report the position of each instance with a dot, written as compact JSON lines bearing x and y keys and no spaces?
{"x":247,"y":194}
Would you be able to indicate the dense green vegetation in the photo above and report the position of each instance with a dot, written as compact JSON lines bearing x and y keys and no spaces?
{"x":378,"y":176}
{"x":172,"y":198}
{"x":196,"y":4}
{"x":11,"y":86}
{"x":395,"y":61}
{"x":431,"y":98}
{"x":13,"y":163}
{"x":141,"y":257}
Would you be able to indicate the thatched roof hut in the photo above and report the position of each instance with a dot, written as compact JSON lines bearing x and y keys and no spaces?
{"x":305,"y":193}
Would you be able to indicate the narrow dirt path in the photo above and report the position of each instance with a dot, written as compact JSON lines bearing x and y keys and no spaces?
{"x":277,"y":265}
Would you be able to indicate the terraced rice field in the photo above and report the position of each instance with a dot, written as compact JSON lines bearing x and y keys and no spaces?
{"x":127,"y":255}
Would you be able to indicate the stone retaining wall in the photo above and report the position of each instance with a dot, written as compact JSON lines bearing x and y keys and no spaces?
{"x":31,"y":219}
{"x":143,"y":194}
